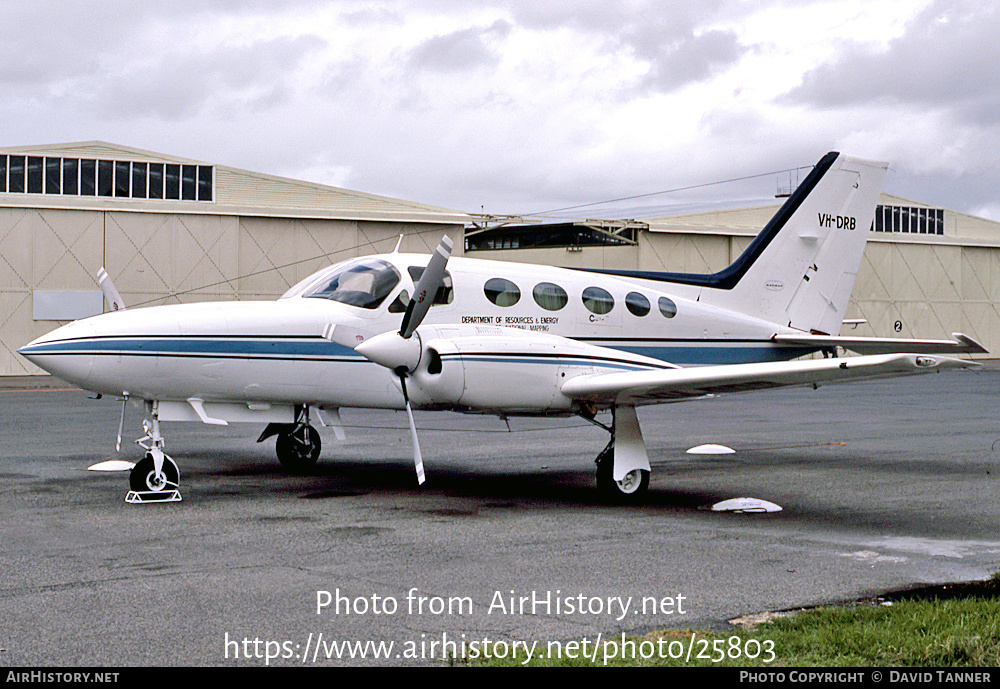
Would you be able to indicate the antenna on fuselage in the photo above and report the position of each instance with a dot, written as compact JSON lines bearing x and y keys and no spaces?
{"x":398,"y":242}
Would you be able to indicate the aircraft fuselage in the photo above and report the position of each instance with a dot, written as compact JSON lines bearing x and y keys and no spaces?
{"x":275,"y":351}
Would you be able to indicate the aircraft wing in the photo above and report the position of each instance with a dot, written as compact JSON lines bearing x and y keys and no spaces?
{"x":650,"y":387}
{"x":961,"y":344}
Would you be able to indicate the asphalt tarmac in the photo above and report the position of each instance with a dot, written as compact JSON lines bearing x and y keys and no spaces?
{"x":883,"y":486}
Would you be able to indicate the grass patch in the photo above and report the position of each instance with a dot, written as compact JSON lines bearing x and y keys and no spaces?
{"x":952,"y":626}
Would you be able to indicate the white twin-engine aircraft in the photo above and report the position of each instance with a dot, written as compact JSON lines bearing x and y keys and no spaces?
{"x":397,"y":331}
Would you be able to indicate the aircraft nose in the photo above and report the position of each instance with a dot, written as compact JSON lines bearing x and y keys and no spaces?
{"x":64,"y":352}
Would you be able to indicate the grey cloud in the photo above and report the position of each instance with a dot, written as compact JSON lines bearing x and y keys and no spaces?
{"x":692,"y":59}
{"x":946,"y":58}
{"x":460,"y":50}
{"x":177,"y":86}
{"x":668,"y":36}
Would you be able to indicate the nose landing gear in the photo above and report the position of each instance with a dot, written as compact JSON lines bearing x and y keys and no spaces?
{"x":155,"y":478}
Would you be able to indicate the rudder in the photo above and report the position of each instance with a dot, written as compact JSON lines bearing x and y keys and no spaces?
{"x":800,"y":270}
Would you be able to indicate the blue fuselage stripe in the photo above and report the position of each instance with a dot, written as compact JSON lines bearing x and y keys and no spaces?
{"x":313,"y":349}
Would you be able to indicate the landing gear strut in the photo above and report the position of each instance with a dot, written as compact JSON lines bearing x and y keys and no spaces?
{"x":298,"y":444}
{"x":632,"y":486}
{"x":155,"y":477}
{"x":630,"y":458}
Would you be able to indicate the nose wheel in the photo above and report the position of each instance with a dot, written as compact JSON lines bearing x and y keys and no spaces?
{"x":145,"y":478}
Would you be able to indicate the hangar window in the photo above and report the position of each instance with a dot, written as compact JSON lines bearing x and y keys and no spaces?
{"x":189,"y":182}
{"x":636,"y":304}
{"x":16,"y":171}
{"x":502,"y":292}
{"x":88,"y":177}
{"x":53,"y":175}
{"x":598,"y":300}
{"x":105,"y":177}
{"x":667,"y":307}
{"x":204,"y":182}
{"x":173,"y":182}
{"x":34,"y":175}
{"x":70,"y":176}
{"x":156,"y":180}
{"x":549,"y":296}
{"x":118,"y":178}
{"x":365,"y":283}
{"x":909,"y":220}
{"x":121,"y":178}
{"x":139,"y":180}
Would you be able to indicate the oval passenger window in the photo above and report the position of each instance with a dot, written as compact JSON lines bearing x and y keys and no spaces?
{"x":636,"y":304}
{"x":598,"y":300}
{"x":502,"y":292}
{"x":667,"y":307}
{"x":549,"y":296}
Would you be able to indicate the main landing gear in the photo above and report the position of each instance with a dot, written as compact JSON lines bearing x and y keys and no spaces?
{"x":298,"y":444}
{"x":625,"y":456}
{"x":630,"y":488}
{"x":154,"y":478}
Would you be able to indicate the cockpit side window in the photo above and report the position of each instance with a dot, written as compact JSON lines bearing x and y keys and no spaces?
{"x":445,"y":293}
{"x":365,"y":284}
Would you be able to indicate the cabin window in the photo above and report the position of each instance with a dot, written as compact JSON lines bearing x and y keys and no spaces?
{"x":365,"y":283}
{"x":636,"y":304}
{"x":549,"y":296}
{"x":502,"y":292}
{"x":400,"y":303}
{"x":598,"y":300}
{"x":445,"y":293}
{"x":667,"y":307}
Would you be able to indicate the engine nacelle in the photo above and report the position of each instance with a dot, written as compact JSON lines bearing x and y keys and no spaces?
{"x":495,"y":369}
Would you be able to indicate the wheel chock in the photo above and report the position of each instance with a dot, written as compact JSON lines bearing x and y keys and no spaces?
{"x":136,"y":497}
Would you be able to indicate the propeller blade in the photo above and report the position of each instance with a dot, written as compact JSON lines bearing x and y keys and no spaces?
{"x":345,"y":335}
{"x":121,"y":425}
{"x":418,"y":460}
{"x":111,"y":296}
{"x":426,"y":289}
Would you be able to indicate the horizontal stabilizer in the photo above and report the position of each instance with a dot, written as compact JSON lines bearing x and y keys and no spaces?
{"x":650,"y":387}
{"x":961,"y":344}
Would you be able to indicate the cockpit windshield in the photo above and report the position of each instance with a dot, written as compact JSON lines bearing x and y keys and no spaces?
{"x":365,"y":283}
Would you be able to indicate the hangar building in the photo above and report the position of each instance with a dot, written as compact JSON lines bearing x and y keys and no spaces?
{"x":171,"y":230}
{"x":927,"y":271}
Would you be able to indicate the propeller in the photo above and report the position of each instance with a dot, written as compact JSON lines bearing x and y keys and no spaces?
{"x":111,"y":295}
{"x":427,"y":288}
{"x":401,"y":351}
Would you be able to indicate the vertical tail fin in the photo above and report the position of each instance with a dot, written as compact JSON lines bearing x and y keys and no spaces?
{"x":800,"y":270}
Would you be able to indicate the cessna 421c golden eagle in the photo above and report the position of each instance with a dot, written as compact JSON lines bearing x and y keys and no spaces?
{"x":397,"y":331}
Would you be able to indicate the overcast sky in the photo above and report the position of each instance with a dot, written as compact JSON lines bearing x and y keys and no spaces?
{"x":526,"y":105}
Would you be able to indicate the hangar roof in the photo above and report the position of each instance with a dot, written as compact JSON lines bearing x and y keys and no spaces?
{"x":956,"y":225}
{"x":39,"y":176}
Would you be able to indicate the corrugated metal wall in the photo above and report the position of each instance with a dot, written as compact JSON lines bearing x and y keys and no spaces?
{"x":156,"y":258}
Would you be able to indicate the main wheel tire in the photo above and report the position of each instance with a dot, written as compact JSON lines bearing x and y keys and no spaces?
{"x":143,"y":477}
{"x":630,"y":489}
{"x":298,"y":450}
